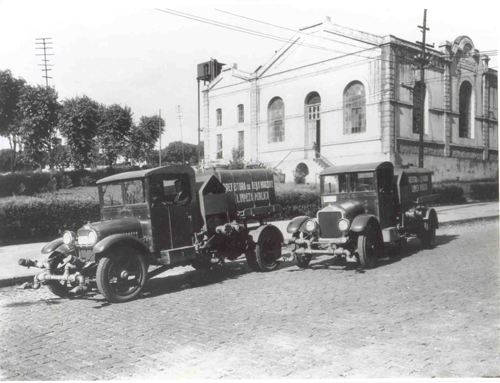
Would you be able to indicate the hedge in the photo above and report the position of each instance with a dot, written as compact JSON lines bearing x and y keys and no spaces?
{"x":32,"y":183}
{"x":31,"y":218}
{"x":295,"y":203}
{"x":484,"y":192}
{"x":448,"y":194}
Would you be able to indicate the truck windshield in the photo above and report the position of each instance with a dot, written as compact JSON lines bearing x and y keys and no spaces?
{"x":335,"y":184}
{"x":112,"y":195}
{"x":134,"y":193}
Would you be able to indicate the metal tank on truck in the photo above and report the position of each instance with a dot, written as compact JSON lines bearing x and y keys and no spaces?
{"x":156,"y":219}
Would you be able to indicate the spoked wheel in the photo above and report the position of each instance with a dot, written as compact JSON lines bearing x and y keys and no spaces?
{"x":370,"y":247}
{"x":265,"y":254}
{"x":427,"y":234}
{"x":58,"y":288}
{"x":121,"y":274}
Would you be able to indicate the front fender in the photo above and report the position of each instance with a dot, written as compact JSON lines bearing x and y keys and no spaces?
{"x":57,"y":245}
{"x":256,"y":233}
{"x":129,"y":240}
{"x":296,"y":223}
{"x":361,"y":221}
{"x":430,"y":215}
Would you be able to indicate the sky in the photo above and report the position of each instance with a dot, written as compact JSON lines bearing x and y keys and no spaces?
{"x":135,"y":54}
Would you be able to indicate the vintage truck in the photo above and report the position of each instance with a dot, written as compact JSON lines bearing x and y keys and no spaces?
{"x":366,"y":208}
{"x":156,"y":219}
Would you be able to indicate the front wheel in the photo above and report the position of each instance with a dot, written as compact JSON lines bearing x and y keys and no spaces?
{"x":121,"y":274}
{"x":427,"y":233}
{"x":266,"y":252}
{"x":369,"y":247}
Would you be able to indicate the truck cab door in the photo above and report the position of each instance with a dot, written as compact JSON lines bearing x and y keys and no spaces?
{"x":387,"y":201}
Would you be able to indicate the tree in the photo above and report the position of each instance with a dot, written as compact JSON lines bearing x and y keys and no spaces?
{"x":114,"y":131}
{"x":173,"y":153}
{"x":39,"y":108}
{"x":62,"y":157}
{"x":10,"y":116}
{"x":79,"y":121}
{"x":237,"y":160}
{"x":143,"y":139}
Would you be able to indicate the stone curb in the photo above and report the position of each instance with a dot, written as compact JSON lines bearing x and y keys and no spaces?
{"x":13,"y":281}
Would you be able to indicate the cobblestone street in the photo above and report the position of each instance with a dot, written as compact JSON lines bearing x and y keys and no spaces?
{"x":422,"y":314}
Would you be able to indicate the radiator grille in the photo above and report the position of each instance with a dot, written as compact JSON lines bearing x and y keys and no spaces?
{"x":328,"y":223}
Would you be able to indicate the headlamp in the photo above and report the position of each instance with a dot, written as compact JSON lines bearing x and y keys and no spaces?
{"x":343,"y":224}
{"x":69,"y":237}
{"x":311,"y":225}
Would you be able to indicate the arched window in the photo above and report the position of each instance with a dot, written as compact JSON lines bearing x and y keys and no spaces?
{"x":464,"y":121}
{"x":276,"y":120}
{"x":219,"y":117}
{"x":354,"y":108}
{"x":241,"y":113}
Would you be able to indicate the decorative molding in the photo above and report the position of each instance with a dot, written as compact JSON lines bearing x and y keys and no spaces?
{"x":466,"y":152}
{"x":412,"y":147}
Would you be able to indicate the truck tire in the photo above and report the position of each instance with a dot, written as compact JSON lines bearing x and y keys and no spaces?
{"x":427,"y":234}
{"x":121,"y":274}
{"x":369,"y":247}
{"x":263,"y":256}
{"x":57,"y":287}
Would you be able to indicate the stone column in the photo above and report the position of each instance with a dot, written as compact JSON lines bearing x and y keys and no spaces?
{"x":387,"y":120}
{"x":254,"y":120}
{"x":206,"y":125}
{"x":447,"y":109}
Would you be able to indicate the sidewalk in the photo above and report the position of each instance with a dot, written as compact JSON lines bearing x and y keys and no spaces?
{"x":11,"y":273}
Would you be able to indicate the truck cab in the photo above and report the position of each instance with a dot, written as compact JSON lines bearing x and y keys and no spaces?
{"x":365,"y":208}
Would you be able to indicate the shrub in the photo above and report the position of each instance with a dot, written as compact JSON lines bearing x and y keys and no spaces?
{"x":484,"y":192}
{"x":449,"y":194}
{"x":66,"y":182}
{"x":87,"y":181}
{"x":297,"y":202}
{"x":32,"y":218}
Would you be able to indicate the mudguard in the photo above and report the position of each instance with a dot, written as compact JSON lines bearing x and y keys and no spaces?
{"x":112,"y":240}
{"x":256,"y":233}
{"x":431,"y":214}
{"x":57,"y":245}
{"x":296,"y":223}
{"x":361,"y":221}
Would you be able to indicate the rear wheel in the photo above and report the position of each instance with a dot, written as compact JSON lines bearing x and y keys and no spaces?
{"x":121,"y":274}
{"x":263,"y":257}
{"x":369,"y":247}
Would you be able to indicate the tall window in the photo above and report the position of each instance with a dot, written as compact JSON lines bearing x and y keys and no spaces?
{"x":241,"y":113}
{"x":464,"y":121}
{"x":219,"y":146}
{"x":354,"y":108}
{"x":219,"y":117}
{"x":241,"y":142}
{"x":276,"y":120}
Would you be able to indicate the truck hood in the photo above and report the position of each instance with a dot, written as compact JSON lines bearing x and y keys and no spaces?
{"x":349,"y":209}
{"x":106,"y":228}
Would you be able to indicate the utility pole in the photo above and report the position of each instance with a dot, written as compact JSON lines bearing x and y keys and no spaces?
{"x":46,"y":45}
{"x":179,"y":111}
{"x":159,"y":130}
{"x":199,"y":128}
{"x":423,"y":62}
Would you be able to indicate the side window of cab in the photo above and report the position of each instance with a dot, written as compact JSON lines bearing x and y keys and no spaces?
{"x":170,"y":190}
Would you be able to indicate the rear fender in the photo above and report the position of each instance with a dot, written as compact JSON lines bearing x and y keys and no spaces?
{"x":361,"y":221}
{"x":57,"y":245}
{"x":295,"y":224}
{"x":120,"y":240}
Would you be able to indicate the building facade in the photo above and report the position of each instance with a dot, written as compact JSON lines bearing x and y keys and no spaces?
{"x":334,"y":95}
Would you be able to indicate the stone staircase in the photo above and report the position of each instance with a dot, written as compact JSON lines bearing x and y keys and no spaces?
{"x":323,"y":162}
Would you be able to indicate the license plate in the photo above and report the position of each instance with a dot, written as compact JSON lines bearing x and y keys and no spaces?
{"x":330,"y":198}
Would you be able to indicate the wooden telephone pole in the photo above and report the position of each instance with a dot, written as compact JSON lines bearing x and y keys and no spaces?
{"x":423,"y":62}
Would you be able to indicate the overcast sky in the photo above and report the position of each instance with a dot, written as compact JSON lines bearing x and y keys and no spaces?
{"x":130,"y":53}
